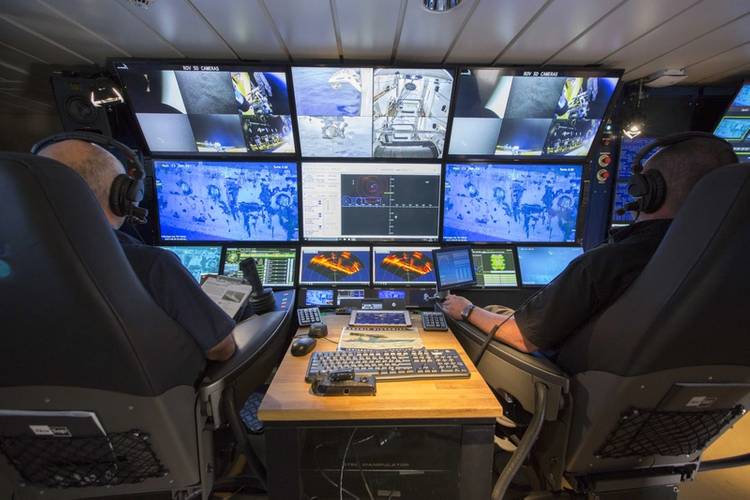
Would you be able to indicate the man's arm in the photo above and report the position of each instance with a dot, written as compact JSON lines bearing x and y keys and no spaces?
{"x":508,"y":333}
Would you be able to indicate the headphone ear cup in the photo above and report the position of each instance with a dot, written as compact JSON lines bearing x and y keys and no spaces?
{"x":657,"y":192}
{"x":118,"y":193}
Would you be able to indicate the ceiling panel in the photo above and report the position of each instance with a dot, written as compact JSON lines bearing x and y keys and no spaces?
{"x":705,"y":47}
{"x":624,"y":25}
{"x":14,"y":36}
{"x":702,"y":18}
{"x":733,"y":73}
{"x":246,"y":27}
{"x":368,"y":29}
{"x":306,"y":27}
{"x":493,"y":24}
{"x":40,"y":19}
{"x":178,"y":22}
{"x":728,"y":61}
{"x":558,"y":25}
{"x":427,"y":36}
{"x":112,"y":21}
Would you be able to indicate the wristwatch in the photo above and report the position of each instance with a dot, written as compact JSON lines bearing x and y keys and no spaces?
{"x":467,"y":312}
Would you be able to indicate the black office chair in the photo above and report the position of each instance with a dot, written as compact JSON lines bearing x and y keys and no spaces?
{"x":666,"y":368}
{"x":75,"y":335}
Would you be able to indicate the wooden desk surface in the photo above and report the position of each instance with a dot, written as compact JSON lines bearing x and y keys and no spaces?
{"x":289,"y":397}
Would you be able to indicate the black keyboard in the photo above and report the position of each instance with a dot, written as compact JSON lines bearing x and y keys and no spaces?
{"x":308,"y":316}
{"x":390,"y":364}
{"x":434,"y":321}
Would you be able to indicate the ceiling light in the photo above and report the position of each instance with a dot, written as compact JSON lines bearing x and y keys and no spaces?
{"x":632,"y":130}
{"x":635,"y":121}
{"x":440,"y":5}
{"x":105,"y":94}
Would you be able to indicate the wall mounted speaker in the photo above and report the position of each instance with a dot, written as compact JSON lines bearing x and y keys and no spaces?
{"x":73,"y":99}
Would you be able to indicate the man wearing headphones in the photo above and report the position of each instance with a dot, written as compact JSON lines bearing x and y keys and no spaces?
{"x":168,"y":282}
{"x":593,"y":281}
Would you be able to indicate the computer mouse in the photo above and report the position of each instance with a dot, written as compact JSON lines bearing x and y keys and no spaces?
{"x":303,"y":345}
{"x":318,"y":330}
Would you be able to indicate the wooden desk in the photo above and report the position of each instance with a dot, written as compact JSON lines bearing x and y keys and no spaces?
{"x":461,"y":412}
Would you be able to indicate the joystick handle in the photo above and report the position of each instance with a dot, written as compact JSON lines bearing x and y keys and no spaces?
{"x":250,"y":274}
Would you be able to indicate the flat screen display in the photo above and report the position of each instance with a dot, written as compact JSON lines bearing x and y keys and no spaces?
{"x":334,"y":266}
{"x":370,"y":201}
{"x":540,"y":265}
{"x":454,"y":267}
{"x":372,"y":112}
{"x":227,"y":200}
{"x":734,"y":126}
{"x":198,"y":260}
{"x":628,"y":149}
{"x":511,"y":112}
{"x":226,"y":109}
{"x":495,"y":267}
{"x":318,"y":297}
{"x":511,"y":202}
{"x":275,"y":266}
{"x":403,"y":266}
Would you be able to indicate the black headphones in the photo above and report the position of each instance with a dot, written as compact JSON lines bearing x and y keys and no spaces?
{"x":127,"y":189}
{"x":649,"y":188}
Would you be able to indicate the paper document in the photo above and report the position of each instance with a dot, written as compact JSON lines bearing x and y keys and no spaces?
{"x":370,"y":338}
{"x":230,"y":294}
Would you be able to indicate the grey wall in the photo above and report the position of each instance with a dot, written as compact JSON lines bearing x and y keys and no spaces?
{"x":19,"y":131}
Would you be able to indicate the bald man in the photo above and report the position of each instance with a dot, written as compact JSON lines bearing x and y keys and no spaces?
{"x":167,"y":281}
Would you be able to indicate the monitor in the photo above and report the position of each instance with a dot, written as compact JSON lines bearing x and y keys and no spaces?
{"x":372,"y":112}
{"x":319,"y":297}
{"x":370,"y":201}
{"x":516,"y":112}
{"x":209,"y":109}
{"x":334,"y":266}
{"x":403,"y":266}
{"x":390,"y":294}
{"x":276,"y":266}
{"x":454,"y":267}
{"x":734,"y":126}
{"x":540,"y":265}
{"x":628,"y":149}
{"x":198,"y":260}
{"x":511,"y":202}
{"x":495,"y":267}
{"x":227,"y":200}
{"x":349,"y":294}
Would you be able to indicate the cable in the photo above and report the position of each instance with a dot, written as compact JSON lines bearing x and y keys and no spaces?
{"x":325,"y":476}
{"x":343,"y":464}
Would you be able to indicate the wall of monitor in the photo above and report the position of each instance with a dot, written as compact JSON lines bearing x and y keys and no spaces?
{"x":342,"y":179}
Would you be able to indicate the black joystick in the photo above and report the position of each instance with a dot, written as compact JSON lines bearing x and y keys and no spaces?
{"x":261,"y":299}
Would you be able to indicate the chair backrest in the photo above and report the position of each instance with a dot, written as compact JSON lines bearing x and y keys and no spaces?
{"x":78,"y":331}
{"x":665,"y":369}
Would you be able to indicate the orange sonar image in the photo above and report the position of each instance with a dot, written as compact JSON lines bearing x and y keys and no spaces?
{"x":405,"y":263}
{"x":336,"y":262}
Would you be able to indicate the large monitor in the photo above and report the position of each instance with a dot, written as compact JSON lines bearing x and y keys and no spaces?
{"x":370,"y":201}
{"x":227,"y":200}
{"x":454,"y":267}
{"x":735,"y":124}
{"x":372,"y":112}
{"x":511,"y":202}
{"x":628,"y":149}
{"x":403,"y":266}
{"x":495,"y":267}
{"x":198,"y":260}
{"x":276,"y":266}
{"x":515,"y":112}
{"x":334,"y":266}
{"x":540,"y":265}
{"x":220,"y":109}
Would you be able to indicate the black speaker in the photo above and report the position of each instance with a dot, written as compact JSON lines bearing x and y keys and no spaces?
{"x":73,"y":98}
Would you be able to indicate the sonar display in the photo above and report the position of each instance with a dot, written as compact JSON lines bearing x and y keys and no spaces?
{"x":239,"y":201}
{"x":335,"y":265}
{"x":508,"y":202}
{"x":403,"y":265}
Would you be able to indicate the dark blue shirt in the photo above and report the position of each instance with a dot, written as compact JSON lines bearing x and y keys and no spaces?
{"x":175,"y":290}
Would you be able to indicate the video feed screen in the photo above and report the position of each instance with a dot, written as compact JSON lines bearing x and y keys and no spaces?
{"x":495,"y":267}
{"x":198,"y":260}
{"x":275,"y":265}
{"x":372,"y":112}
{"x":185,"y":108}
{"x":334,"y":266}
{"x":403,"y":266}
{"x":224,"y":200}
{"x":540,"y":265}
{"x":735,"y":124}
{"x":510,"y":112}
{"x":318,"y":297}
{"x":370,"y":201}
{"x":349,"y":294}
{"x":511,"y":202}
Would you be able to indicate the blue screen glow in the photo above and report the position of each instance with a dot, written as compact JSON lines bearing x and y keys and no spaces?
{"x":540,"y":265}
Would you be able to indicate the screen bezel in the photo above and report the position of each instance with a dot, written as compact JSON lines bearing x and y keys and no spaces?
{"x":464,"y":284}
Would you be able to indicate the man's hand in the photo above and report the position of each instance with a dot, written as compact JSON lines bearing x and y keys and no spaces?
{"x":223,"y":350}
{"x":454,"y":305}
